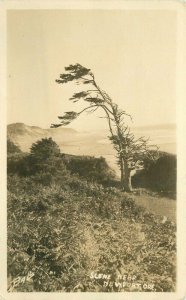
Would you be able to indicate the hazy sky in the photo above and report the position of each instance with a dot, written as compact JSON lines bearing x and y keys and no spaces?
{"x":132,"y":54}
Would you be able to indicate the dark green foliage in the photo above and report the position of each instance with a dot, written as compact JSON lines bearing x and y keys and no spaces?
{"x":91,"y":168}
{"x":44,"y":149}
{"x":50,"y":171}
{"x":44,"y":159}
{"x":16,"y":159}
{"x":12,"y":148}
{"x":18,"y":164}
{"x":47,"y":165}
{"x":44,"y":163}
{"x":158,"y":175}
{"x":162,"y":175}
{"x":79,"y":95}
{"x":75,"y":72}
{"x":68,"y":117}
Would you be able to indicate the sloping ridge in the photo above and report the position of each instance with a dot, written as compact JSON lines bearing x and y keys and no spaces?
{"x":24,"y":135}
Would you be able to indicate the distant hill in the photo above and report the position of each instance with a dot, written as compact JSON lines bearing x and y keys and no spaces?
{"x":24,"y":135}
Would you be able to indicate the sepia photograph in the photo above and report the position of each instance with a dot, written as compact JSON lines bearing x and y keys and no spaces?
{"x":92,"y":146}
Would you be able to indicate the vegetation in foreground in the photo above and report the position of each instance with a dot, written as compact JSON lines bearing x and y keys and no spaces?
{"x":69,"y":234}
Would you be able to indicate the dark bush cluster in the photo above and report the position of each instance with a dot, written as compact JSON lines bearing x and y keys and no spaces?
{"x":158,"y":175}
{"x":91,"y":168}
{"x":48,"y":165}
{"x":44,"y":163}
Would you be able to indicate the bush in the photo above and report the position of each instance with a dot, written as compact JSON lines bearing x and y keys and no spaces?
{"x":159,"y":175}
{"x":18,"y":163}
{"x":48,"y":165}
{"x":91,"y":168}
{"x":44,"y":148}
{"x":43,"y":154}
{"x":162,"y":175}
{"x":44,"y":163}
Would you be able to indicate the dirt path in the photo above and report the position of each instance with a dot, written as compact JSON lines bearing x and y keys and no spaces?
{"x":158,"y":205}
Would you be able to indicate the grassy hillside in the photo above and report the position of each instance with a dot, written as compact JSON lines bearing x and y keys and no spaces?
{"x":73,"y":234}
{"x":63,"y":234}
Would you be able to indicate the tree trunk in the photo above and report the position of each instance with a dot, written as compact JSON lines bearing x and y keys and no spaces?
{"x":126,"y":177}
{"x":122,"y":173}
{"x":127,"y":182}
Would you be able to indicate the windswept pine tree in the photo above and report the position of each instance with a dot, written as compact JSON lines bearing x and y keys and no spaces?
{"x":131,"y":151}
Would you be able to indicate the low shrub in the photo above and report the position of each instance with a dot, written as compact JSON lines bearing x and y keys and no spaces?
{"x":159,"y":175}
{"x":91,"y":168}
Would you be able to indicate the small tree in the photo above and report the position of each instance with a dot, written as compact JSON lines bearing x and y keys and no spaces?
{"x":130,"y":151}
{"x":45,"y":162}
{"x":44,"y":149}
